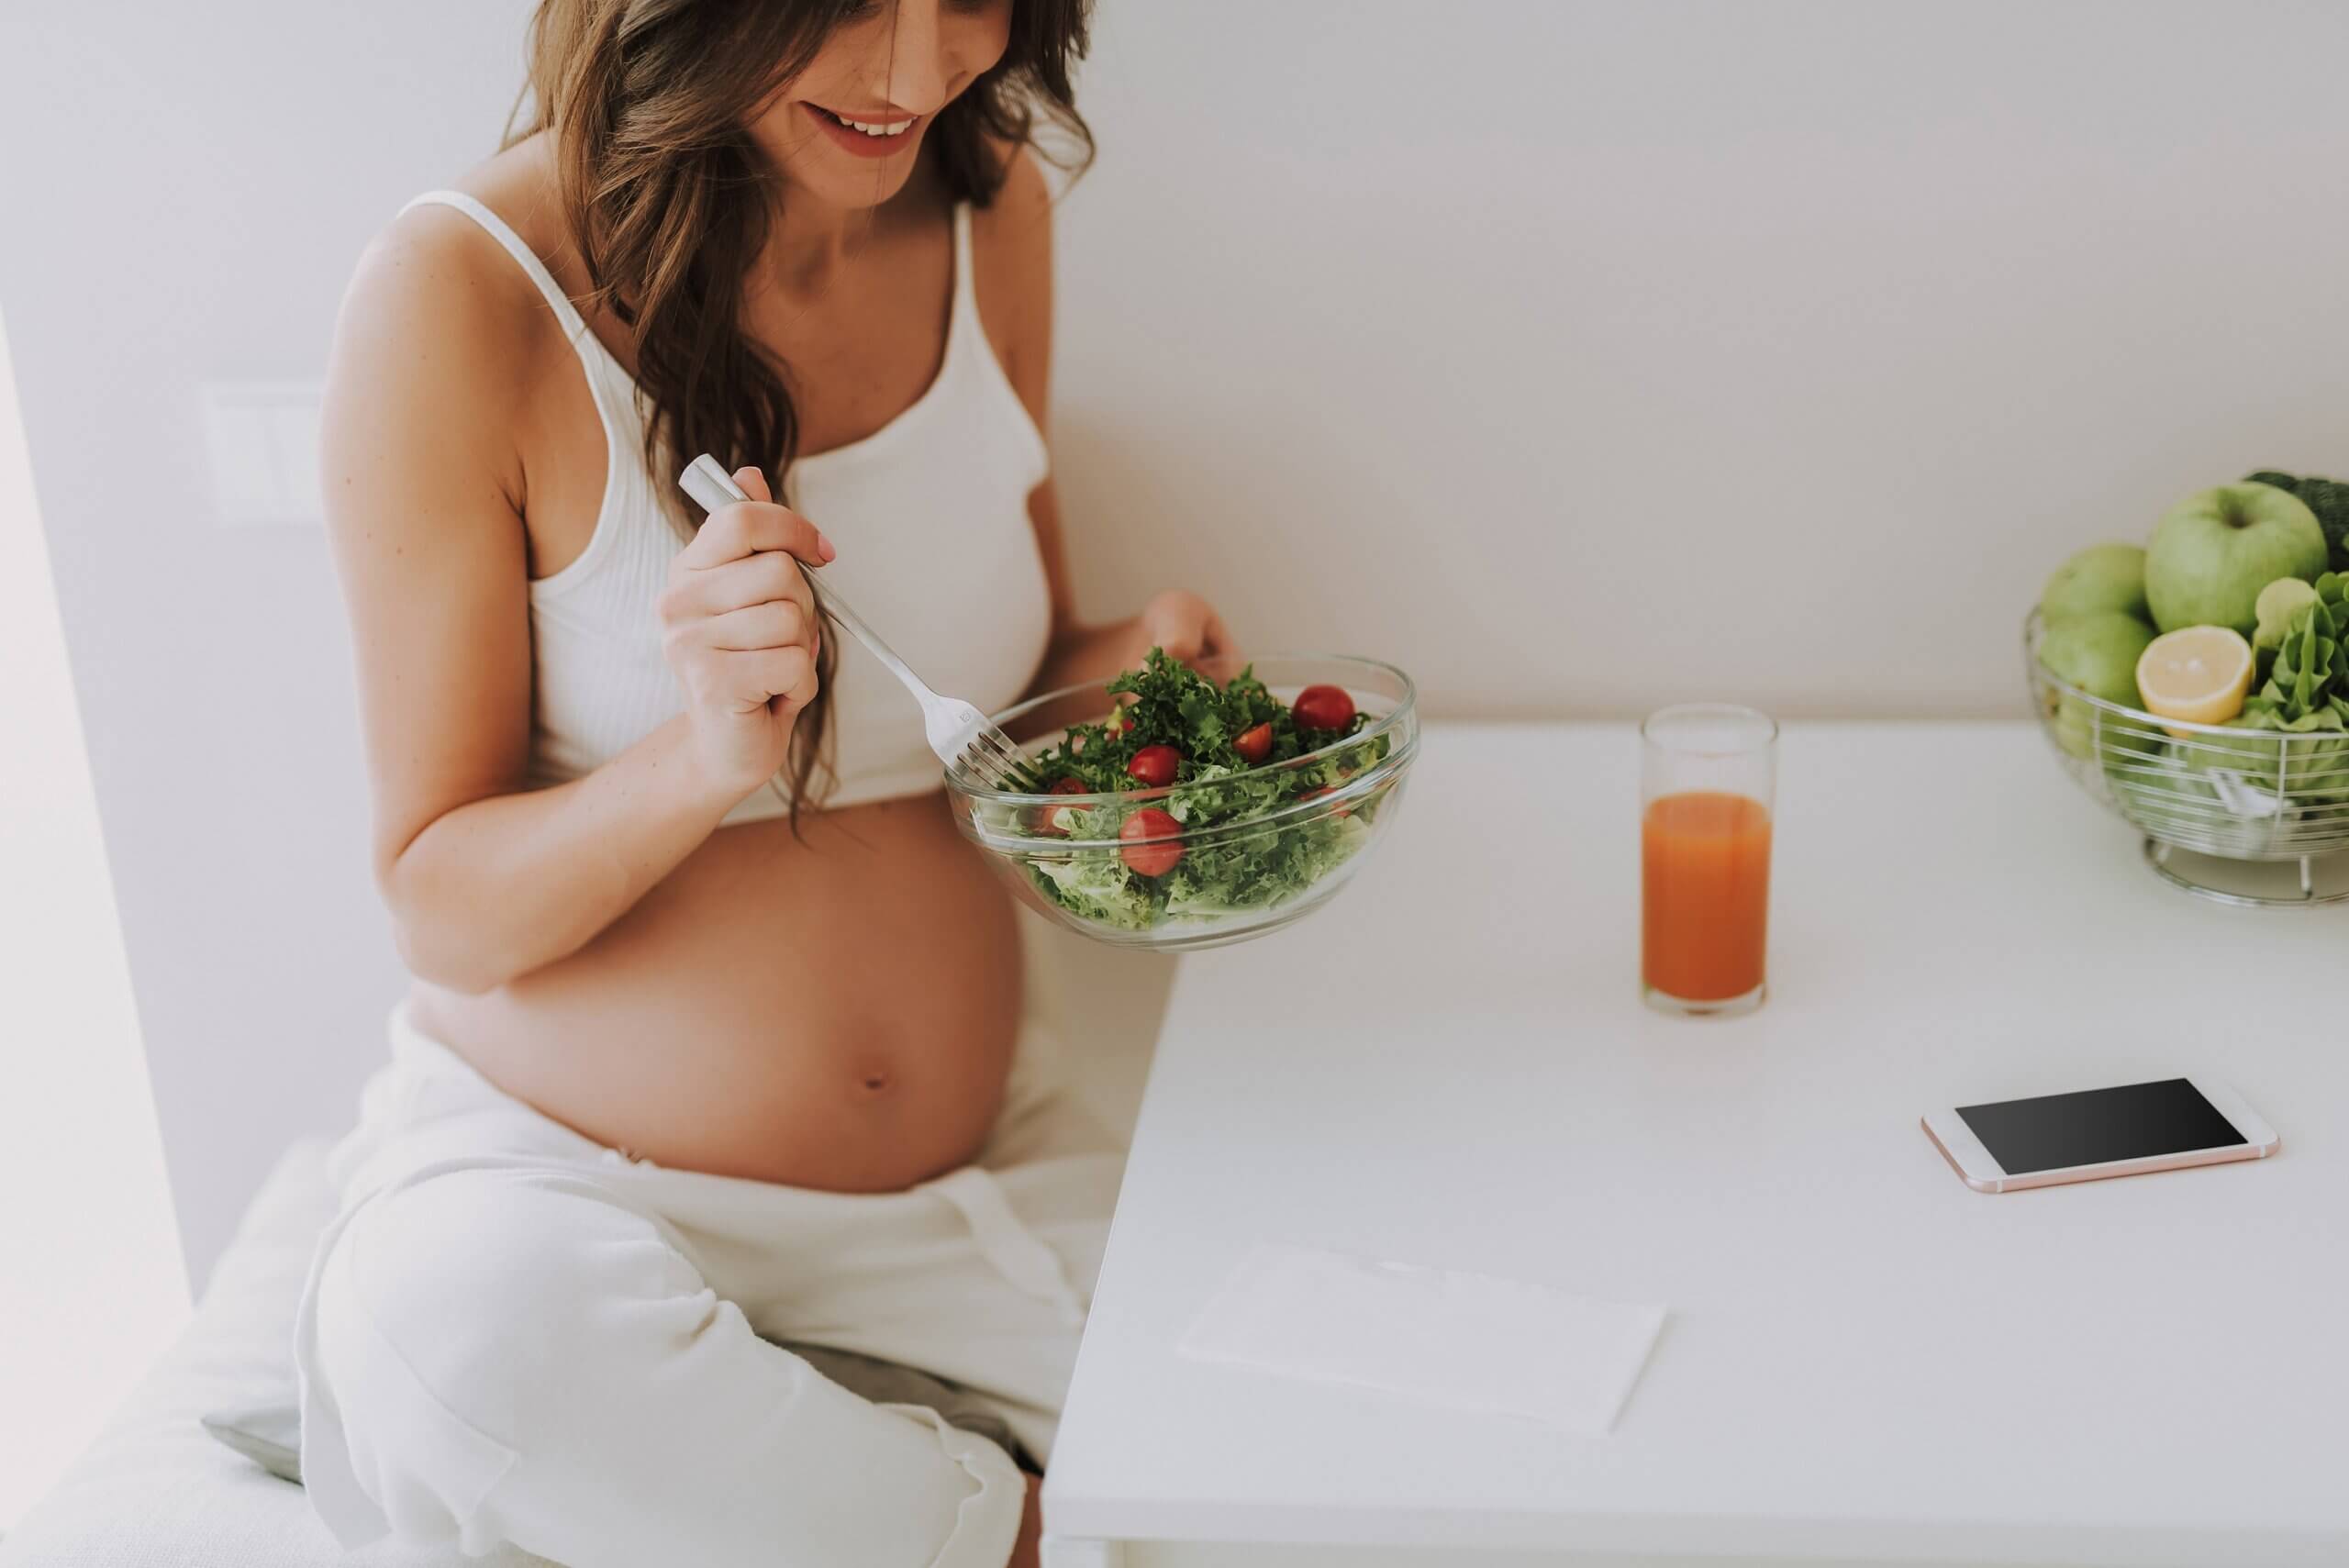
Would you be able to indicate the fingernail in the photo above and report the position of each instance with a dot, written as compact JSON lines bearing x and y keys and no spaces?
{"x":830,"y":552}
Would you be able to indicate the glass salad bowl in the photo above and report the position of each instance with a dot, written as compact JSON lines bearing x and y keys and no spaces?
{"x":1217,"y":858}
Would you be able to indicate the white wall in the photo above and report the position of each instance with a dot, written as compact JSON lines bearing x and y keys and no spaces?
{"x":1583,"y":356}
{"x":1576,"y":356}
{"x":186,"y":189}
{"x":90,"y":1288}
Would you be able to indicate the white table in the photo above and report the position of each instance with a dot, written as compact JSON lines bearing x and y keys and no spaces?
{"x":1865,"y":1361}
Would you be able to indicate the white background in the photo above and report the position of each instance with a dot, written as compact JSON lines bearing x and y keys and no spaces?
{"x":91,"y":1283}
{"x":1577,"y":357}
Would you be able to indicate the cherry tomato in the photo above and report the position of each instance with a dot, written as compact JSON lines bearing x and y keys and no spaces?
{"x":1125,"y":722}
{"x":1254,"y":745}
{"x":1151,"y":860}
{"x":1323,"y":707}
{"x":1154,"y":766}
{"x":1047,"y":819}
{"x":1326,"y":789}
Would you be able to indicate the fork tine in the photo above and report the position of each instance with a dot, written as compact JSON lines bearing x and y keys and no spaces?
{"x":1021,"y":764}
{"x":985,"y":757}
{"x":1010,"y":761}
{"x":1008,"y":765}
{"x":992,"y":759}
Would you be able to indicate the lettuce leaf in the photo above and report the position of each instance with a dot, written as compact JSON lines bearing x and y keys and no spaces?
{"x":1215,"y":788}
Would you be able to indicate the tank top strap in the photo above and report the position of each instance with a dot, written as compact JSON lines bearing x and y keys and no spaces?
{"x":574,"y":326}
{"x":967,"y":290}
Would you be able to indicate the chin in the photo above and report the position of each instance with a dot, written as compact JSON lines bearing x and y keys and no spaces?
{"x":865,"y":186}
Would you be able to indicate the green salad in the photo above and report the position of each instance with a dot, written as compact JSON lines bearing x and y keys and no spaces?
{"x":1185,"y":757}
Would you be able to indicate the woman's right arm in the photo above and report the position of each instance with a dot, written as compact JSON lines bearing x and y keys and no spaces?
{"x":424,"y":483}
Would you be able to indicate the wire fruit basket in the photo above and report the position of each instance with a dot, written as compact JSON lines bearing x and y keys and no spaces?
{"x":2246,"y":807}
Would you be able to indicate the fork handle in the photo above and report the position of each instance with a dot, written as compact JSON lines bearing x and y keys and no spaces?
{"x":707,"y":481}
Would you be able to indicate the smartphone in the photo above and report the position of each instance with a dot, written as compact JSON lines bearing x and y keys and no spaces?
{"x":2006,"y":1145}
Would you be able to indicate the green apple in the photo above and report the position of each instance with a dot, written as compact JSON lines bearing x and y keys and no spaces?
{"x":2098,"y":654}
{"x":2213,"y":553}
{"x":2102,"y":577}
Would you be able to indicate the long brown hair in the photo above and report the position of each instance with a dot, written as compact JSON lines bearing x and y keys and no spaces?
{"x":669,"y":200}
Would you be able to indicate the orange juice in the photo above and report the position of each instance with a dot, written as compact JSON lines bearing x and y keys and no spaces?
{"x":1704,"y":863}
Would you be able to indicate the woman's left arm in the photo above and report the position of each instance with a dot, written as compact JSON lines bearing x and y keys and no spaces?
{"x":1017,"y":257}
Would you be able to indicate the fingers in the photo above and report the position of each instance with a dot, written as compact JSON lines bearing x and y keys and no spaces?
{"x":776,"y":623}
{"x":770,"y":621}
{"x":787,"y":675}
{"x":764,"y":577}
{"x":749,"y":527}
{"x":745,"y":683}
{"x":1167,"y":622}
{"x":1186,"y":627}
{"x":1216,"y":641}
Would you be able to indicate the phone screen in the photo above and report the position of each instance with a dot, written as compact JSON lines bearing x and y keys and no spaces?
{"x":2094,"y":1126}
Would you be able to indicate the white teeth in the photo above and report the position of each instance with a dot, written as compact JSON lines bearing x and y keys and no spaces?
{"x":899,"y":129}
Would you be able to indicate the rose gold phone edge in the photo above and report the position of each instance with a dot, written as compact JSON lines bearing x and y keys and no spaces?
{"x":2223,"y":1098}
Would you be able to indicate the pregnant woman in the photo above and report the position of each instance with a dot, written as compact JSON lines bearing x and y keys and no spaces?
{"x":717,"y":1204}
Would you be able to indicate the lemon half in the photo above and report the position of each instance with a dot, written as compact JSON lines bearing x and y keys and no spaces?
{"x":2197,"y":674}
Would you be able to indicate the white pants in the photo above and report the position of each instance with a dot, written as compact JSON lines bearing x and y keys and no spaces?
{"x":513,"y":1335}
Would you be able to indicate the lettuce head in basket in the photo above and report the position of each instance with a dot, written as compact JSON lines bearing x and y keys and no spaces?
{"x":2298,"y":722}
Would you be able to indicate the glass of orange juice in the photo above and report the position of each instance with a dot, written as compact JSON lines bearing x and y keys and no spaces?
{"x":1708,"y":779}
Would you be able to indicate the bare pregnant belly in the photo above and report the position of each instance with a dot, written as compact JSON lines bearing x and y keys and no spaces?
{"x":838,"y":1013}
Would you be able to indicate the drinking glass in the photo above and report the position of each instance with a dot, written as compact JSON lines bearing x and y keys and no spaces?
{"x":1709,"y":780}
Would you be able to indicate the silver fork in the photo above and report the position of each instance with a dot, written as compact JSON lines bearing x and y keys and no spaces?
{"x":958,"y":733}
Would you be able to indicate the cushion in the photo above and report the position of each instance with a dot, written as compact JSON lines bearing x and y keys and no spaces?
{"x":156,"y":1490}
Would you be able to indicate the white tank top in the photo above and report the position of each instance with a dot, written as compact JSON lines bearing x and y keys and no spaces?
{"x":937,"y":551}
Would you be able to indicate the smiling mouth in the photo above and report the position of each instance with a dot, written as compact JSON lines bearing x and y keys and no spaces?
{"x":877,"y":129}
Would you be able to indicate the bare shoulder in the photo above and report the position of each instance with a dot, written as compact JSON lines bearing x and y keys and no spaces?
{"x":1016,"y":227}
{"x":1025,"y":190}
{"x":439,"y":325}
{"x":1011,"y":244}
{"x":438,"y":285}
{"x":433,"y":286}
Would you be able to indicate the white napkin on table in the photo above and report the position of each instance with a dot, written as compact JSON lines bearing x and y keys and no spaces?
{"x":1466,"y":1342}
